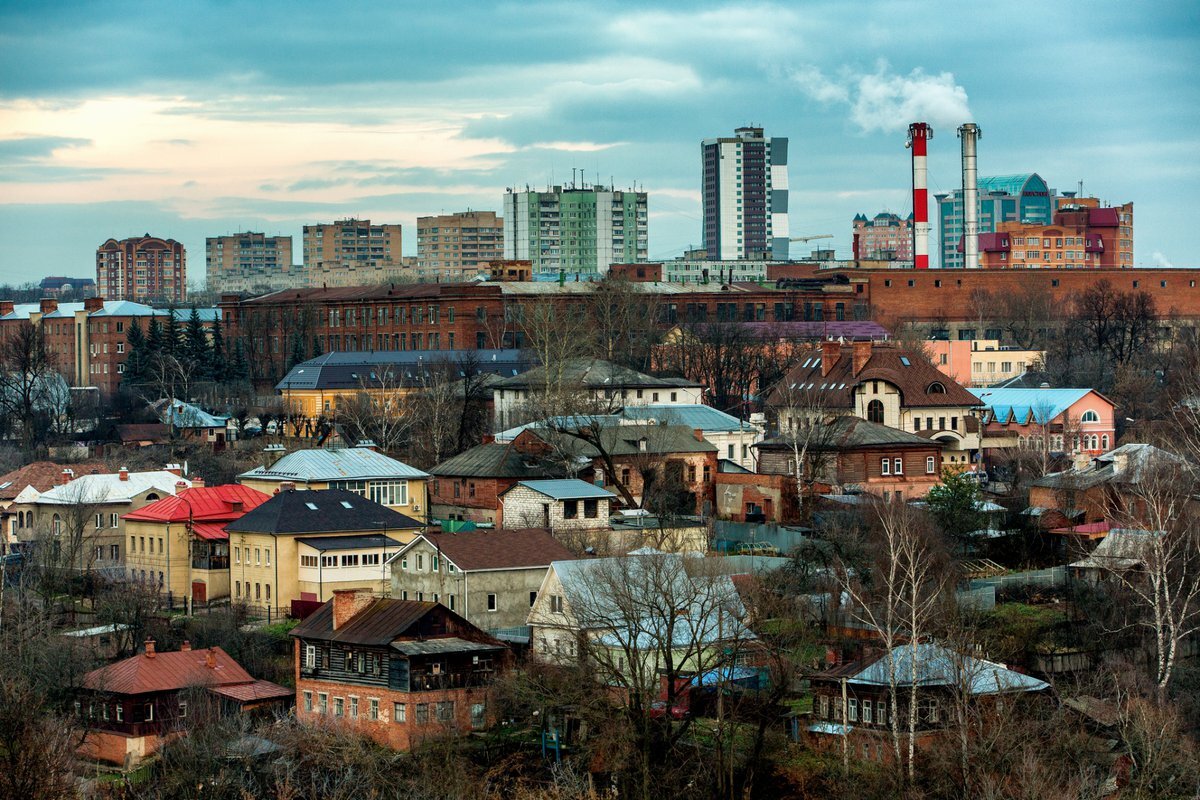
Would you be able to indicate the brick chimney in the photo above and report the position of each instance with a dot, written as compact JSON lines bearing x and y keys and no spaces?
{"x":1082,"y":461}
{"x":93,"y":304}
{"x":174,"y":469}
{"x":123,"y":474}
{"x":149,"y":648}
{"x":185,"y":647}
{"x":830,"y":352}
{"x":699,"y":434}
{"x":67,"y":476}
{"x":1120,"y":462}
{"x":49,"y":305}
{"x":180,"y":486}
{"x":862,"y":354}
{"x":197,"y":482}
{"x":488,"y":438}
{"x":347,"y":603}
{"x":287,"y":486}
{"x":7,"y":307}
{"x":210,"y":659}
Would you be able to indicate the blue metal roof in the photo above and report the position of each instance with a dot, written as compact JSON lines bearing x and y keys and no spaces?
{"x":567,"y":489}
{"x":335,"y":464}
{"x":1018,"y":405}
{"x":1012,"y":184}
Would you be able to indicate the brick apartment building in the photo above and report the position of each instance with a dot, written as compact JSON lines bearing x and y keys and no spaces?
{"x":884,"y":237}
{"x":88,"y":339}
{"x":351,"y":252}
{"x":1079,"y":237}
{"x":246,"y":262}
{"x":142,"y":268}
{"x":459,"y":245}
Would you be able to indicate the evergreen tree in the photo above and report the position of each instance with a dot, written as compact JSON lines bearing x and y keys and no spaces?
{"x":297,"y":356}
{"x":154,"y":338}
{"x":239,"y":367}
{"x":195,"y":347}
{"x":217,"y":367}
{"x":172,"y":337}
{"x":138,"y":359}
{"x":316,"y":346}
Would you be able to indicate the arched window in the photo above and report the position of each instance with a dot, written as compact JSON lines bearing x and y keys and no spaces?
{"x":1104,"y":442}
{"x":56,"y":525}
{"x":936,"y":388}
{"x":150,"y":498}
{"x":875,"y":411}
{"x":1090,"y":416}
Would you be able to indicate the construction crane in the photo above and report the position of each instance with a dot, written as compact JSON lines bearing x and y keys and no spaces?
{"x":810,"y":238}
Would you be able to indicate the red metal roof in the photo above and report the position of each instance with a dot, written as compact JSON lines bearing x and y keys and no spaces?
{"x":212,"y":531}
{"x":163,"y":672}
{"x":204,"y":503}
{"x":251,"y":692}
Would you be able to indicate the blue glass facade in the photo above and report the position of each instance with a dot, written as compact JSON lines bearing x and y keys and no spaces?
{"x":1000,"y":197}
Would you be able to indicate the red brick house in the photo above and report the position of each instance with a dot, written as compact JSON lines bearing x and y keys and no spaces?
{"x":137,"y":705}
{"x":468,"y":486}
{"x":394,"y":670}
{"x":861,"y":456}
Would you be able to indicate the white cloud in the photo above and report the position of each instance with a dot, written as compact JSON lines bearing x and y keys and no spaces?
{"x":1161,"y":260}
{"x":885,"y":101}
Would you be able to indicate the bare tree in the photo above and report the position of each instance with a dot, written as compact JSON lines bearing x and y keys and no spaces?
{"x":810,"y":432}
{"x":381,"y":410}
{"x":28,"y":378}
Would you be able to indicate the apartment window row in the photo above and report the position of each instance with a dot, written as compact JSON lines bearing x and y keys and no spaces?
{"x":261,"y":556}
{"x":262,"y":592}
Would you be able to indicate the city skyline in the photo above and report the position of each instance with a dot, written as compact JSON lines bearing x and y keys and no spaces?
{"x":265,"y":127}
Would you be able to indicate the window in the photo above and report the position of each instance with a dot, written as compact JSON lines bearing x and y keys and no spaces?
{"x":420,"y":562}
{"x":182,"y":711}
{"x":267,"y":556}
{"x":570,"y":509}
{"x":445,"y":710}
{"x":930,"y":462}
{"x":885,"y":466}
{"x":308,"y":706}
{"x":478,"y":716}
{"x":875,"y":412}
{"x":1090,"y":416}
{"x":532,"y":598}
{"x":237,"y":553}
{"x":399,"y":713}
{"x":339,"y":707}
{"x":258,"y":556}
{"x":1104,"y":442}
{"x":852,"y":710}
{"x":120,"y":713}
{"x":823,"y":704}
{"x":329,"y":561}
{"x":591,"y":508}
{"x":898,"y":466}
{"x":99,"y":520}
{"x":353,"y":708}
{"x":422,"y":713}
{"x":310,"y":656}
{"x":322,"y":702}
{"x":373,"y":708}
{"x":556,"y":603}
{"x":491,"y":602}
{"x":866,"y":710}
{"x":308,"y":561}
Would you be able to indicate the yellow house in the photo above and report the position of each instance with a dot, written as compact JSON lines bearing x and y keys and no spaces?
{"x":361,"y":470}
{"x":304,"y":545}
{"x":183,"y":539}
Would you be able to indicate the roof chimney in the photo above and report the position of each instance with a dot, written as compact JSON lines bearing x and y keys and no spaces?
{"x":287,"y":486}
{"x":49,"y":305}
{"x":180,"y":486}
{"x":699,"y":434}
{"x":1120,"y":462}
{"x":1081,"y":461}
{"x":197,"y":482}
{"x":347,"y":603}
{"x":186,"y":646}
{"x":488,"y":438}
{"x":93,"y":304}
{"x":210,"y":659}
{"x":123,"y":474}
{"x":174,"y":469}
{"x":862,"y":354}
{"x":7,"y":307}
{"x":830,"y":352}
{"x":149,"y":648}
{"x":237,"y":507}
{"x":368,"y":444}
{"x":67,"y":476}
{"x":271,"y":454}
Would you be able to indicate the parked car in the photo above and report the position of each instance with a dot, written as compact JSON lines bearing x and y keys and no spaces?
{"x":659,"y":709}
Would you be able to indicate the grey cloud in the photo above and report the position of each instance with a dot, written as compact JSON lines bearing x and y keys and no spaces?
{"x":32,"y":148}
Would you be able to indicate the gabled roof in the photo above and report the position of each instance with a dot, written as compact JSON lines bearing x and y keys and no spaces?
{"x":385,"y":621}
{"x":1121,"y":549}
{"x":495,"y":460}
{"x":568,"y":489}
{"x":917,"y":379}
{"x":689,"y":415}
{"x":850,"y":433}
{"x":164,"y":672}
{"x":625,"y":440}
{"x":511,"y":548}
{"x":1021,"y":405}
{"x":939,"y":666}
{"x":320,"y":511}
{"x":186,"y":415}
{"x":334,"y":464}
{"x":593,"y":373}
{"x":1137,"y":460}
{"x":42,"y":476}
{"x":202,"y":504}
{"x":109,"y":488}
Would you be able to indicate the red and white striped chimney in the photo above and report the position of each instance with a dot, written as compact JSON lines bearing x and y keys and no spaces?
{"x":918,"y":134}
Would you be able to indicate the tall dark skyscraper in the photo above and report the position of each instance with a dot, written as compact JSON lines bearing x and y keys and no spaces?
{"x":745,"y":196}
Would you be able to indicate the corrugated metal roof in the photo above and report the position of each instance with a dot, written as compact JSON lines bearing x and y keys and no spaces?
{"x":1011,"y":184}
{"x":109,"y":488}
{"x":202,"y":503}
{"x":939,"y":666}
{"x":1018,"y":405}
{"x":378,"y":624}
{"x":691,"y":415}
{"x":358,"y":369}
{"x":143,"y":674}
{"x":335,"y":464}
{"x":593,"y":373}
{"x":567,"y":489}
{"x":449,"y":644}
{"x":254,"y":691}
{"x":496,"y":460}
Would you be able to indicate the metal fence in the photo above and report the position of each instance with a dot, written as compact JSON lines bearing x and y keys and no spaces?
{"x":1054,"y":576}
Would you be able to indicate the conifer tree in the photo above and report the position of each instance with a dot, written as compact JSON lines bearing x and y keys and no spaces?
{"x":217,"y":365}
{"x":172,"y":337}
{"x":136,"y":363}
{"x":195,"y":347}
{"x":316,"y":346}
{"x":154,"y":338}
{"x":297,"y":356}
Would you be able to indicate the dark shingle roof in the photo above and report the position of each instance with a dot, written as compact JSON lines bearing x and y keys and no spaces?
{"x":494,"y":460}
{"x":376,"y":368}
{"x":378,"y":624}
{"x":592,"y":373}
{"x":320,"y":511}
{"x":369,"y":541}
{"x":624,"y":440}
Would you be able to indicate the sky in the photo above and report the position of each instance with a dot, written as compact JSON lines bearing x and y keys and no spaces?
{"x":195,"y":119}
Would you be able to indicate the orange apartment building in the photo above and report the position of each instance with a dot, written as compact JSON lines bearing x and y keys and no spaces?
{"x":143,"y":269}
{"x":352,"y":252}
{"x":459,"y":245}
{"x":1082,"y":236}
{"x":980,"y":362}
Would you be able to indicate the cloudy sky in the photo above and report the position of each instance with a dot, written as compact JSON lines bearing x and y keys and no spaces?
{"x":193,"y":119}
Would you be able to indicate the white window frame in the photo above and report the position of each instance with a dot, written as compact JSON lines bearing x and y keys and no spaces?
{"x":885,"y":466}
{"x":898,"y":466}
{"x":930,"y":465}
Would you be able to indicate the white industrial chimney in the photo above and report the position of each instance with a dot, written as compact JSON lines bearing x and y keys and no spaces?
{"x":970,"y":133}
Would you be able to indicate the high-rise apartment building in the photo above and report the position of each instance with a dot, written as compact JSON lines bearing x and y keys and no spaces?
{"x":1006,"y":198}
{"x":458,"y":245}
{"x":245,"y":262}
{"x":575,"y":229}
{"x":884,"y":237}
{"x":142,"y":268}
{"x":745,"y":196}
{"x":351,"y":252}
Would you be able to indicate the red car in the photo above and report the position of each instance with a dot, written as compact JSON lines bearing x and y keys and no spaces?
{"x":660,"y":709}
